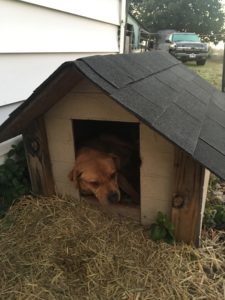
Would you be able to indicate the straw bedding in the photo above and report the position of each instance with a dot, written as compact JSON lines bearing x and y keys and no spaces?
{"x":52,"y":248}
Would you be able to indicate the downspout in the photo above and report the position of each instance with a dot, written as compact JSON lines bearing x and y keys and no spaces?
{"x":123,"y":20}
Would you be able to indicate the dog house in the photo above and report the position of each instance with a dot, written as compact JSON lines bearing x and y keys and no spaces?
{"x":176,"y":118}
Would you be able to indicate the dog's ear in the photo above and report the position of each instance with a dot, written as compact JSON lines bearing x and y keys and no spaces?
{"x":116,"y":160}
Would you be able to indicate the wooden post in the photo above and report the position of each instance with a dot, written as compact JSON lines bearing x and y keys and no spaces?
{"x":187,"y":198}
{"x":38,"y":159}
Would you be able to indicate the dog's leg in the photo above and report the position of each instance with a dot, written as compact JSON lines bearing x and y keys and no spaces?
{"x":127,"y":188}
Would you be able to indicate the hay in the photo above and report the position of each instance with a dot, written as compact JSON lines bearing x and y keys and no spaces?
{"x":52,"y":248}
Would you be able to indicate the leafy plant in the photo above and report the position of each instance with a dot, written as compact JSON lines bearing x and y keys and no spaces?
{"x":14,"y":177}
{"x":209,"y":215}
{"x":220,"y":216}
{"x":162,"y":229}
{"x":214,"y":216}
{"x":214,"y":181}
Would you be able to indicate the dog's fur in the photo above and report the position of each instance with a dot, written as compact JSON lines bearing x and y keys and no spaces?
{"x":99,"y":169}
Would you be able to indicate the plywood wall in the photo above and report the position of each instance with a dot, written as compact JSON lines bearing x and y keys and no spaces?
{"x":86,"y":101}
{"x":83,"y":102}
{"x":157,"y":174}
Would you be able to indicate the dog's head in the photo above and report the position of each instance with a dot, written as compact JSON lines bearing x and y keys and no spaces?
{"x":96,"y":173}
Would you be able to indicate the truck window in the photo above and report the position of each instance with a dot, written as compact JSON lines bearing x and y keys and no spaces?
{"x":185,"y":37}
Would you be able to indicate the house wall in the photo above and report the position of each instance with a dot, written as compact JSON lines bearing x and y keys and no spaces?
{"x":26,"y":71}
{"x":5,"y":110}
{"x":35,"y":29}
{"x":86,"y":101}
{"x":105,"y":11}
{"x":36,"y":40}
{"x":39,"y":35}
{"x":6,"y":146}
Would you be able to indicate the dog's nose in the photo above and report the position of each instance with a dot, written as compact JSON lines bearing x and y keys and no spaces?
{"x":113,"y":197}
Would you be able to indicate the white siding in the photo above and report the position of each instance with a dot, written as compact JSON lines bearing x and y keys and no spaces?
{"x":103,"y":10}
{"x":21,"y":74}
{"x":6,"y":110}
{"x":39,"y":35}
{"x":6,"y":146}
{"x":28,"y":28}
{"x":4,"y":113}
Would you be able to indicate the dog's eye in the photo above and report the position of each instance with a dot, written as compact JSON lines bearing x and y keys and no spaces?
{"x":94,"y":183}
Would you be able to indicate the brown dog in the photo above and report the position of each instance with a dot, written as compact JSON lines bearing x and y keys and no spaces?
{"x":97,"y":171}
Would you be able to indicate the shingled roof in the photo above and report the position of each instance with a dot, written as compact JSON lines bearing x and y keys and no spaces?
{"x":155,"y":87}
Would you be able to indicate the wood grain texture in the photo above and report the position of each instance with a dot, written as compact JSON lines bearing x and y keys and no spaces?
{"x":187,"y":198}
{"x":36,"y":146}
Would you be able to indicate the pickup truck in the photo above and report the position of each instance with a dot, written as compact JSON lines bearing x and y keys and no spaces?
{"x":187,"y":46}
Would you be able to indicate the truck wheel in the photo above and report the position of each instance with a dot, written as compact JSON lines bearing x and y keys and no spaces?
{"x":201,"y":62}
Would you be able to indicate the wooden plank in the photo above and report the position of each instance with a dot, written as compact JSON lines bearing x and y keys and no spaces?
{"x":156,"y":174}
{"x":187,"y":198}
{"x":36,"y":146}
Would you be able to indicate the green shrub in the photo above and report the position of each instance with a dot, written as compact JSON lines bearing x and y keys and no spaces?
{"x":14,"y":177}
{"x":214,"y":216}
{"x":213,"y":181}
{"x":163,"y":229}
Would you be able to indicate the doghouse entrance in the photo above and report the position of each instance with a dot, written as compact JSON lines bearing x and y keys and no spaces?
{"x":128,"y":133}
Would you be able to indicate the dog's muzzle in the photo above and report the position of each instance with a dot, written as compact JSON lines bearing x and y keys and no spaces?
{"x":113,"y":197}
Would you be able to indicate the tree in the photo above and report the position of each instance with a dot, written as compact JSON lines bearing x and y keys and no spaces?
{"x":204,"y":17}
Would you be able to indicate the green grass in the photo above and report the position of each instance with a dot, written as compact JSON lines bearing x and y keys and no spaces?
{"x":211,"y":71}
